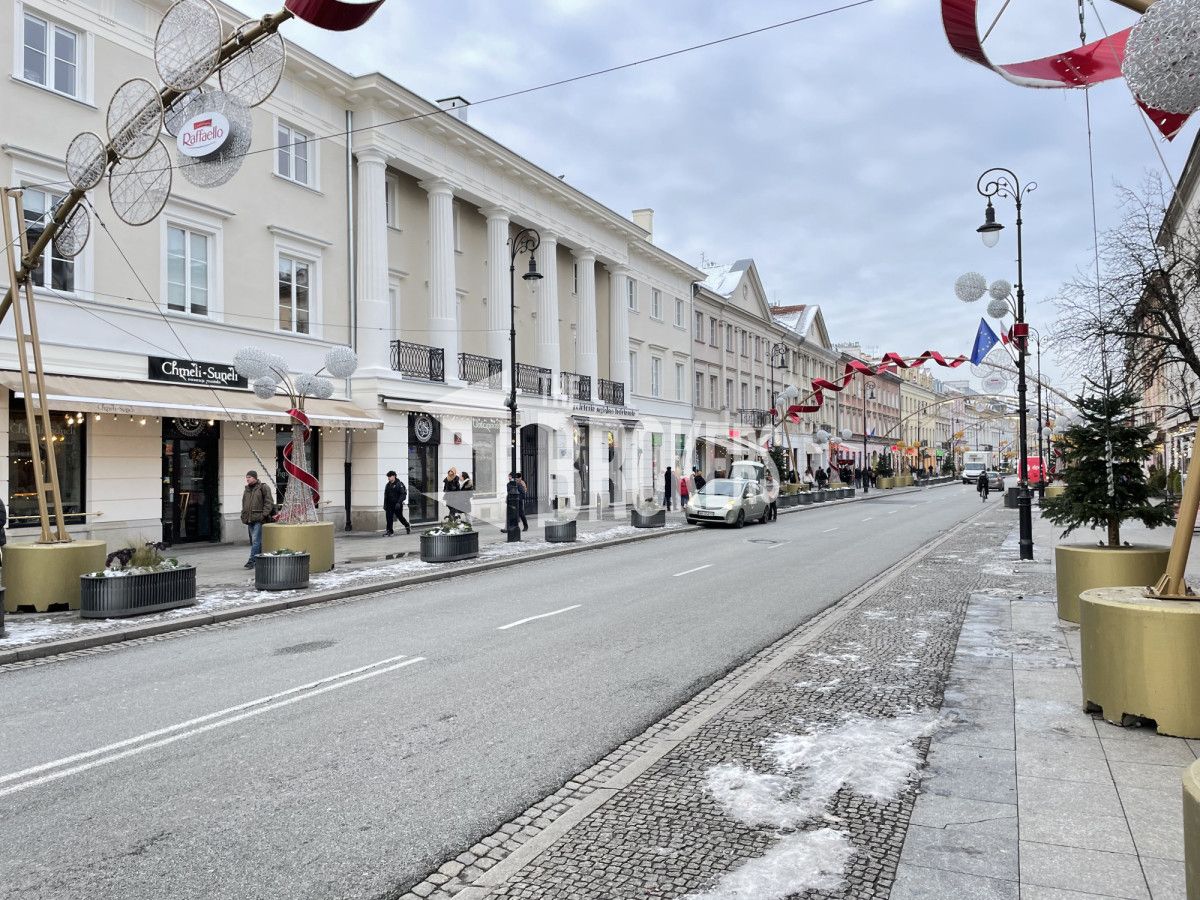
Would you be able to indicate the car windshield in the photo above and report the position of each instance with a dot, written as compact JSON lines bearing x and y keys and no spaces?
{"x":720,"y":488}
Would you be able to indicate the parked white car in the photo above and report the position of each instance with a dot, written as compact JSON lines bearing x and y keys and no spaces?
{"x":727,"y":501}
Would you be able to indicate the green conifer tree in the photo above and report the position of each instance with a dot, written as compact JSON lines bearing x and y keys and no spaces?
{"x":1104,"y":455}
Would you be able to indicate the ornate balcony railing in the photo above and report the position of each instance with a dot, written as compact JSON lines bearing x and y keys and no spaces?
{"x":576,"y":386}
{"x":755,"y":418}
{"x":612,"y":392}
{"x":419,"y":361}
{"x":484,"y":371}
{"x":535,"y":380}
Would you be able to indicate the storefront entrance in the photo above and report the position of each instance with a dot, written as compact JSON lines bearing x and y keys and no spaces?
{"x":191,"y":490}
{"x":424,"y":475}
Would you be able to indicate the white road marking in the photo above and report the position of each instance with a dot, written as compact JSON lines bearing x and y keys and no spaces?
{"x":690,"y":571}
{"x":777,"y":546}
{"x":893,"y":512}
{"x":220,"y":719}
{"x":542,"y":616}
{"x":827,"y":530}
{"x":868,"y":518}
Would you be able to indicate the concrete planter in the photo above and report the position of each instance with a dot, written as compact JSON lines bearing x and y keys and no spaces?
{"x":102,"y":597}
{"x":1055,"y":490}
{"x":440,"y":548}
{"x":1191,"y":829}
{"x":819,"y":496}
{"x":848,"y":493}
{"x":1082,"y":567}
{"x":561,"y":532}
{"x":281,"y":573}
{"x":804,"y":499}
{"x":653,"y":520}
{"x":314,"y":538}
{"x":1,"y":611}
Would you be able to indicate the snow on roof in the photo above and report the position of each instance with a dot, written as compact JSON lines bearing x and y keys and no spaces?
{"x":798,"y":318}
{"x":724,"y":280}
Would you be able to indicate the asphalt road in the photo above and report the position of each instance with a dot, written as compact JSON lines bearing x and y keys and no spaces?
{"x":344,"y":750}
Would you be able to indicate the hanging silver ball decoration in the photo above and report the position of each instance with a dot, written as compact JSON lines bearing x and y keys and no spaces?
{"x":847,"y":434}
{"x":306,"y":385}
{"x":1162,"y":57}
{"x":1000,"y":289}
{"x":216,"y":168}
{"x":341,"y":362}
{"x":323,"y":389}
{"x":251,"y":362}
{"x":998,"y":309}
{"x":970,"y":287}
{"x":264,"y":388}
{"x":821,"y":437}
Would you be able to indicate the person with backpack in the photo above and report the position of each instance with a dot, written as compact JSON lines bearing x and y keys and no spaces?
{"x":258,"y":507}
{"x":981,"y":485}
{"x":394,"y":495}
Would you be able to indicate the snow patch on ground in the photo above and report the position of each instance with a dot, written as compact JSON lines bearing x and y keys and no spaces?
{"x":756,"y":799}
{"x":827,"y":687}
{"x":812,"y":860}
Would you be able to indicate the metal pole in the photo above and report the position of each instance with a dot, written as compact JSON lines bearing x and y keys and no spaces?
{"x":1041,"y":424}
{"x":512,"y":520}
{"x":866,"y":482}
{"x":1024,"y":501}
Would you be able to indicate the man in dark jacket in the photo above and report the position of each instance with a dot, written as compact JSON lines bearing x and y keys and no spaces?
{"x":697,"y":478}
{"x":394,"y":495}
{"x":258,"y":506}
{"x":668,"y":487}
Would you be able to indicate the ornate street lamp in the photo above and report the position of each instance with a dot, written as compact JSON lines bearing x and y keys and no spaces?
{"x":866,"y":395}
{"x":527,"y":240}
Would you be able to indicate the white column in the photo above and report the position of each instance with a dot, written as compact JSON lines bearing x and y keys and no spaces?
{"x":374,"y":319}
{"x":588,"y":362}
{"x":498,"y":299}
{"x":548,"y":356}
{"x":618,"y":330}
{"x":443,"y":297}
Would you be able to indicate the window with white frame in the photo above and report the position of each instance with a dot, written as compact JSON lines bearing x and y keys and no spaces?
{"x":51,"y":55}
{"x":391,"y":200}
{"x":456,"y":216}
{"x":39,"y":205}
{"x":295,"y":294}
{"x":679,"y":312}
{"x":656,"y":304}
{"x":729,"y":392}
{"x":745,"y":343}
{"x":713,"y":400}
{"x":729,"y":338}
{"x":680,"y":382}
{"x":699,"y":389}
{"x":757,"y":349}
{"x":575,"y":278}
{"x":656,"y":365}
{"x":712,"y":332}
{"x":633,"y":379}
{"x":698,"y":326}
{"x":295,"y":155}
{"x":189,"y":270}
{"x":631,"y":293}
{"x":744,"y":396}
{"x":758,"y":397}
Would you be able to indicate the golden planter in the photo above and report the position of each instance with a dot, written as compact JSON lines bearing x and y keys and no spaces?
{"x":42,"y":575}
{"x":1081,"y":567}
{"x":314,"y":538}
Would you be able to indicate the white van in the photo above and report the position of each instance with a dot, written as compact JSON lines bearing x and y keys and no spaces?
{"x":974,"y":464}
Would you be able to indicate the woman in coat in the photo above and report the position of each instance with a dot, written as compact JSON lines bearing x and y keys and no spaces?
{"x":450,"y":488}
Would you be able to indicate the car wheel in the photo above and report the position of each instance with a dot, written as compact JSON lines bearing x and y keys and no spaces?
{"x":741,"y":519}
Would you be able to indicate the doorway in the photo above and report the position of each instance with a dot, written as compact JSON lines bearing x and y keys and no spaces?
{"x":530,"y":446}
{"x":424,"y":436}
{"x":190,"y":480}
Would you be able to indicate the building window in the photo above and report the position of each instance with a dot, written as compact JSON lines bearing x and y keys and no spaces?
{"x":699,"y":399}
{"x":712,"y":332}
{"x":631,"y":293}
{"x":391,"y":198}
{"x":698,"y":326}
{"x":679,"y":311}
{"x":745,"y":344}
{"x":633,"y":380}
{"x":656,"y":376}
{"x":758,"y":397}
{"x":745,"y":396}
{"x":758,"y":349}
{"x":50,"y":56}
{"x":455,"y":216}
{"x":70,"y":452}
{"x":295,"y":290}
{"x":729,"y":338}
{"x":483,"y":460}
{"x":575,"y":278}
{"x":188,"y":268}
{"x":680,"y":382}
{"x":729,"y":392}
{"x":656,"y":304}
{"x":713,"y":400}
{"x":38,"y":207}
{"x":293,"y":157}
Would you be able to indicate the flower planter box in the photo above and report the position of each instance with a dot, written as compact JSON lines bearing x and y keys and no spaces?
{"x":818,"y":496}
{"x":804,"y":499}
{"x":1,"y":611}
{"x":847,"y":493}
{"x":110,"y":597}
{"x":561,"y":532}
{"x":439,"y":548}
{"x":650,"y":520}
{"x":281,"y":573}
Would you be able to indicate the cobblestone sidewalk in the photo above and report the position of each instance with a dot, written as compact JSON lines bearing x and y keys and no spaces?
{"x":794,"y":775}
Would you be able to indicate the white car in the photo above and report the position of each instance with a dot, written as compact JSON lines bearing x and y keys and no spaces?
{"x":727,"y":501}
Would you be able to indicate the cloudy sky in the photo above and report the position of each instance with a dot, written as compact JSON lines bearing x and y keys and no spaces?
{"x":840,"y":153}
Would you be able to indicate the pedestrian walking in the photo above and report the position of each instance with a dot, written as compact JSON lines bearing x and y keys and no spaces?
{"x":858,"y":476}
{"x":3,"y":523}
{"x":258,"y":506}
{"x":523,"y":494}
{"x":684,"y":491}
{"x":394,"y":494}
{"x":466,"y":489}
{"x":450,"y":489}
{"x":981,"y":485}
{"x":772,"y":490}
{"x":698,"y":479}
{"x":668,"y":488}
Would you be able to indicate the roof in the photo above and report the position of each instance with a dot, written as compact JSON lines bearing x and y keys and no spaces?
{"x":799,"y":318}
{"x":723,"y":280}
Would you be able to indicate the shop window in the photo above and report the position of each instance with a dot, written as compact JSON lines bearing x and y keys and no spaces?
{"x":483,"y":460}
{"x":283,"y":436}
{"x":70,"y":452}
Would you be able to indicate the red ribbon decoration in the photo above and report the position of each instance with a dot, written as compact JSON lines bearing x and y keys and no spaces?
{"x":890,"y":362}
{"x":333,"y":15}
{"x":294,"y":470}
{"x":1093,"y":63}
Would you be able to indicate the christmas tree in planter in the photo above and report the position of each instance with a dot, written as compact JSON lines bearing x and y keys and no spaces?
{"x":1104,"y":454}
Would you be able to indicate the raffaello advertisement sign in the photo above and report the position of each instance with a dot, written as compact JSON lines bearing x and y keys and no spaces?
{"x":203,"y":134}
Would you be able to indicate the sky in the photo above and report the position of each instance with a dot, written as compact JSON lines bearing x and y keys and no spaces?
{"x":840,"y":153}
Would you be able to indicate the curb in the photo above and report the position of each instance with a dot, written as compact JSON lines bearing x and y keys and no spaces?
{"x":117,"y":636}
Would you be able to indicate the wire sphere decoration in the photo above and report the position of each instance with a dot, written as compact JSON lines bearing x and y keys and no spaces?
{"x":1162,"y":57}
{"x":305,"y":385}
{"x":218,"y":167}
{"x":188,"y":44}
{"x":134,"y":118}
{"x":72,"y":235}
{"x":982,"y":370}
{"x":87,"y":158}
{"x":1000,"y":289}
{"x":821,"y":437}
{"x":253,"y":74}
{"x":265,"y":387}
{"x":994,"y":383}
{"x":173,"y":115}
{"x":998,"y":308}
{"x":138,"y":188}
{"x":847,"y":434}
{"x":251,"y":363}
{"x":970,"y":287}
{"x":341,"y":362}
{"x":323,"y":389}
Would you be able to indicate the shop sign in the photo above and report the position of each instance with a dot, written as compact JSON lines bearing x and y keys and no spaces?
{"x":202,"y":134}
{"x":583,"y":406}
{"x":200,"y":374}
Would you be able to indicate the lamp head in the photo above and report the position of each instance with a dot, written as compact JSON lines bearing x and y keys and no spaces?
{"x":990,"y":229}
{"x":533,"y":274}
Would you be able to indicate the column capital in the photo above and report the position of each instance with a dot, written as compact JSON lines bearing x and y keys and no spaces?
{"x":436,"y":186}
{"x":370,"y":156}
{"x":548,"y":237}
{"x":617,"y":270}
{"x":584,"y":254}
{"x":495,"y":212}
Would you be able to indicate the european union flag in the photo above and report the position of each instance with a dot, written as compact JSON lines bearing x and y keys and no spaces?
{"x":985,"y":340}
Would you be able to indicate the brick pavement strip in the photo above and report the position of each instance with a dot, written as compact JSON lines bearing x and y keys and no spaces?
{"x":640,"y":823}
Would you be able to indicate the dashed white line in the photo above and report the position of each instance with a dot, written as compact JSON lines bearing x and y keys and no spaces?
{"x":827,"y":530}
{"x":868,"y":518}
{"x":777,"y":546}
{"x":542,"y":616}
{"x":690,"y":571}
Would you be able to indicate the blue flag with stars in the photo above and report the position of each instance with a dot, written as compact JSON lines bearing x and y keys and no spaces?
{"x":985,"y":340}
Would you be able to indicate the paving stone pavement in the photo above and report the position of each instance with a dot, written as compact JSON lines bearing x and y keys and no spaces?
{"x":646,"y":822}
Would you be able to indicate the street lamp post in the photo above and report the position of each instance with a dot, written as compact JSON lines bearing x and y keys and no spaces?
{"x":866,"y":481}
{"x":1041,"y":421}
{"x":1001,"y":182}
{"x":527,"y":240}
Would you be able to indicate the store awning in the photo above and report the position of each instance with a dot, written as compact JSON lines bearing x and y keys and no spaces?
{"x":146,"y":398}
